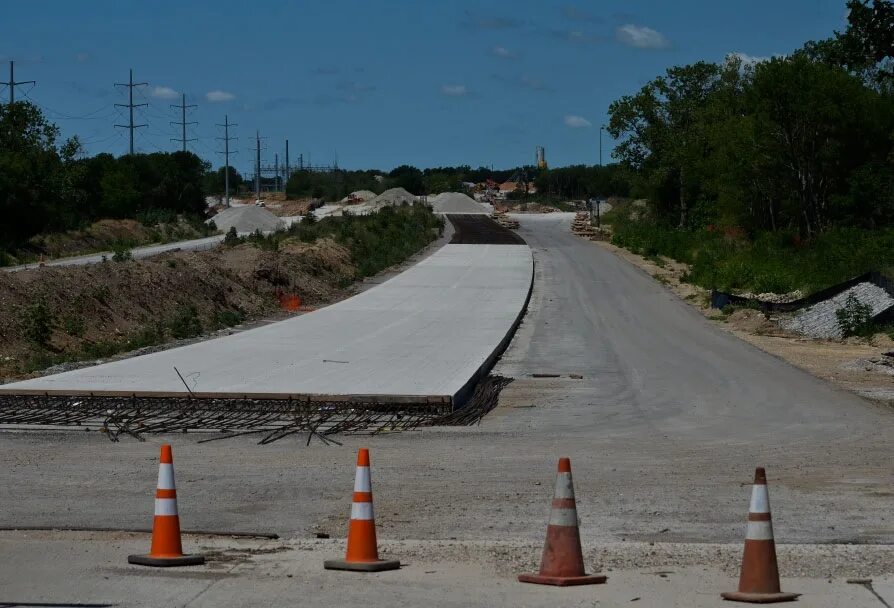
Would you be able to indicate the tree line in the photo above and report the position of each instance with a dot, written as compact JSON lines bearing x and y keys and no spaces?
{"x":47,"y":186}
{"x":801,"y":143}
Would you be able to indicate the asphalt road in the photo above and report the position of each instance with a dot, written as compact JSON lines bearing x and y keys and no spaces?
{"x":664,"y":431}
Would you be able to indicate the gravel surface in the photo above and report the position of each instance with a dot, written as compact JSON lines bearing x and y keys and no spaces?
{"x":663,"y":415}
{"x":820,"y":320}
{"x":457,"y":202}
{"x":247,"y":219}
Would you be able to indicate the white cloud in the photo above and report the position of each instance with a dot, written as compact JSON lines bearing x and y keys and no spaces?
{"x":217,"y":96}
{"x":164,"y":93}
{"x":641,"y":37}
{"x":577,"y":122}
{"x":454,"y":90}
{"x":503,"y":52}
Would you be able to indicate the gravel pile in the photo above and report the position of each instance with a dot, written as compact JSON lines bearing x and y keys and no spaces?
{"x":363,"y":195}
{"x":820,"y":320}
{"x":457,"y":202}
{"x":393,"y":196}
{"x":247,"y":219}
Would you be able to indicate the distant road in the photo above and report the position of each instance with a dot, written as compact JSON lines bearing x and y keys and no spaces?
{"x":138,"y":253}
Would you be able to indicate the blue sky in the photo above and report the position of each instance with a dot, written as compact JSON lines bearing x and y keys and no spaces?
{"x":376,"y":84}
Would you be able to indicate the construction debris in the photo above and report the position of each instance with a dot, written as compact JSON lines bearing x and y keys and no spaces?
{"x":504,"y":220}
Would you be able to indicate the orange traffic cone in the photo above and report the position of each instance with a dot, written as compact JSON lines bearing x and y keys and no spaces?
{"x":166,"y":549}
{"x":363,"y":553}
{"x":562,"y":563}
{"x":759,"y":580}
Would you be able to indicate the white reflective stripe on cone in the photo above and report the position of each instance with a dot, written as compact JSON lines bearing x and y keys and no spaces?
{"x":563,"y":517}
{"x":760,"y":499}
{"x":564,"y":486}
{"x":759,"y":530}
{"x":166,"y":506}
{"x":361,"y":480}
{"x":165,"y":476}
{"x":361,"y":510}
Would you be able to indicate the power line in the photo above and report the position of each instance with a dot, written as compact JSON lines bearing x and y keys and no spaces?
{"x":12,"y":84}
{"x":226,"y":139}
{"x":130,"y":105}
{"x":183,"y":107}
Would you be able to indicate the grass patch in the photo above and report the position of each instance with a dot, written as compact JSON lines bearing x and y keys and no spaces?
{"x":777,"y":262}
{"x":376,"y":241}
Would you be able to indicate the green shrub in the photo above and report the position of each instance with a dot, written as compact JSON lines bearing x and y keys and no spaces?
{"x":232,"y":237}
{"x":185,"y":323}
{"x":38,"y":322}
{"x":229,"y":318}
{"x":74,"y":325}
{"x":854,"y":318}
{"x":122,"y":254}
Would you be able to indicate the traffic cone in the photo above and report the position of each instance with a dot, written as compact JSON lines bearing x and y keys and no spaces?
{"x":562,"y":563}
{"x":759,"y":580}
{"x":363,"y":553}
{"x":166,"y":549}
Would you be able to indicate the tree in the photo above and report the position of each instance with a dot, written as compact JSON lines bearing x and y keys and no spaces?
{"x":215,"y":181}
{"x":661,"y":137}
{"x":407,"y":177}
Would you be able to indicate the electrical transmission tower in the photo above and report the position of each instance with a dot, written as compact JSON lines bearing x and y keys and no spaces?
{"x":183,"y":107}
{"x":130,"y":105}
{"x":12,"y":84}
{"x":226,"y":139}
{"x":258,"y":165}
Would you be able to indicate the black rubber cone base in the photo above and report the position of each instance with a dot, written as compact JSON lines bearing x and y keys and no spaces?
{"x":166,"y":562}
{"x":376,"y":566}
{"x":563,"y":581}
{"x":759,"y":598}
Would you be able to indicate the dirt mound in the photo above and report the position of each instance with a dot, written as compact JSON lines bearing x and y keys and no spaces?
{"x":392,"y":196}
{"x":247,"y":219}
{"x":359,"y":195}
{"x":106,"y":235}
{"x":457,"y":202}
{"x":54,"y":314}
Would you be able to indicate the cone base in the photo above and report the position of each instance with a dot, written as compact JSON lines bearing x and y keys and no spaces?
{"x":759,"y":598}
{"x":166,"y":562}
{"x":376,"y":566}
{"x":563,"y":581}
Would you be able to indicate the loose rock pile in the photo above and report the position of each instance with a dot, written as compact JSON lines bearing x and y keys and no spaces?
{"x":821,"y":320}
{"x":503,"y":219}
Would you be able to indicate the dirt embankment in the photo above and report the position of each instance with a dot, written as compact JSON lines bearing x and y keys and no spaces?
{"x":56,"y":314}
{"x":107,"y":235}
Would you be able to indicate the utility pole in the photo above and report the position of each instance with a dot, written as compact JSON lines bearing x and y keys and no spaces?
{"x":12,"y":84}
{"x":287,"y":163}
{"x":258,"y":165}
{"x":183,"y":122}
{"x":276,"y":168}
{"x":601,"y":129}
{"x":226,"y":139}
{"x":130,"y":105}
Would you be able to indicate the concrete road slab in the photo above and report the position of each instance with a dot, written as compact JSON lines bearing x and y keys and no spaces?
{"x":425,"y":332}
{"x":79,"y":569}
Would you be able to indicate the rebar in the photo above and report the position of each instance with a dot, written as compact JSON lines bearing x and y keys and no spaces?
{"x":233,"y":416}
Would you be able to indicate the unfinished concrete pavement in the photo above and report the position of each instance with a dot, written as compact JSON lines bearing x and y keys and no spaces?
{"x":426,"y":332}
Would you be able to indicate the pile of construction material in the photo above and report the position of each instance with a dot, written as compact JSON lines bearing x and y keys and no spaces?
{"x":503,"y":219}
{"x":358,"y":196}
{"x":247,"y":219}
{"x":821,"y":319}
{"x":457,"y":202}
{"x":582,"y":226}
